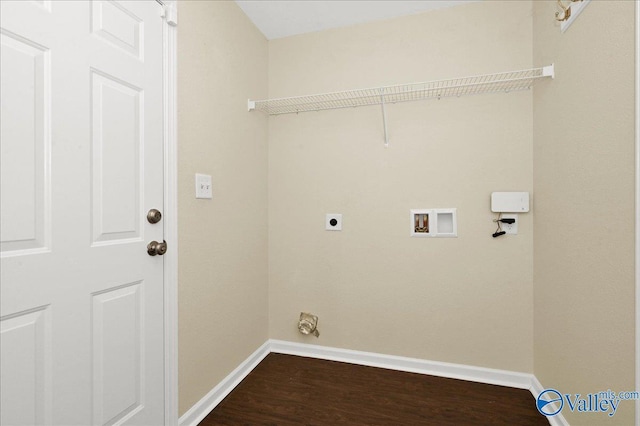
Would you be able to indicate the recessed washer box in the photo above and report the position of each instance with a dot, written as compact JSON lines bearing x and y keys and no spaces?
{"x":437,"y":223}
{"x":509,"y":202}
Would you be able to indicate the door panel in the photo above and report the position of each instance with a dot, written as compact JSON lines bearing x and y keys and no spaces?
{"x":117,"y":131}
{"x":25,"y":355}
{"x":26,"y":143}
{"x":81,"y":306}
{"x":119,"y":26}
{"x":118,"y":371}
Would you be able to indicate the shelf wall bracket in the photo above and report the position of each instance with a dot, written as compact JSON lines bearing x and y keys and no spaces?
{"x":384,"y":119}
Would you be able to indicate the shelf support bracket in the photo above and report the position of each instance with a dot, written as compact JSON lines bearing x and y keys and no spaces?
{"x":384,"y":119}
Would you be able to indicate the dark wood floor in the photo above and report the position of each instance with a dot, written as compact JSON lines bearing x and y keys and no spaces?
{"x":290,"y":390}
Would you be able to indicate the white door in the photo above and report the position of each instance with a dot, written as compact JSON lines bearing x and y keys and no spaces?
{"x":81,"y":310}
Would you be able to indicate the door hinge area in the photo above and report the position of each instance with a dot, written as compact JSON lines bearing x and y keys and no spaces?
{"x":170,"y":13}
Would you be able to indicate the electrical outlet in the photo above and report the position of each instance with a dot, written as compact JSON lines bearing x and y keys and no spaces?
{"x":333,"y":222}
{"x":203,"y":186}
{"x":510,"y":228}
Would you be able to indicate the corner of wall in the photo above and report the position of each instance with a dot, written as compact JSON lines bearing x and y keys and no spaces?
{"x":223,"y":279}
{"x":583,"y":173}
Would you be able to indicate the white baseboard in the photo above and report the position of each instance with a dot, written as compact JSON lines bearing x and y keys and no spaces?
{"x":536,"y":389}
{"x":413,"y":365}
{"x":203,"y":407}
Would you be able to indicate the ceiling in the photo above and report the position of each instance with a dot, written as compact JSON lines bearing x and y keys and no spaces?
{"x":283,"y":18}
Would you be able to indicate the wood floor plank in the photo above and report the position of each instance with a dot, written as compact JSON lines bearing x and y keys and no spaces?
{"x":287,"y":390}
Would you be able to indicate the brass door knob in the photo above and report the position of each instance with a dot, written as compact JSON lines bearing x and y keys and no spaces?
{"x":154,"y":216}
{"x":155,"y":248}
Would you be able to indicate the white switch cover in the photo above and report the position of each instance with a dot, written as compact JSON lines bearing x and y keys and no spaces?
{"x":203,"y":186}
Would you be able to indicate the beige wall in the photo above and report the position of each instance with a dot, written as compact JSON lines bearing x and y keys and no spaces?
{"x":222,"y":61}
{"x":556,"y":300}
{"x":466,"y":300}
{"x":584,"y":205}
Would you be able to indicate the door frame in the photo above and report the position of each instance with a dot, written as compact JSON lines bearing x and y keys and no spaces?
{"x":170,"y":208}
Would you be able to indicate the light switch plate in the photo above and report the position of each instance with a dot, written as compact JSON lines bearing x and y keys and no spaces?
{"x":203,"y":186}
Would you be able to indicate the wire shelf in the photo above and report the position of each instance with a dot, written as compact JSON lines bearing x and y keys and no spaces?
{"x":488,"y":83}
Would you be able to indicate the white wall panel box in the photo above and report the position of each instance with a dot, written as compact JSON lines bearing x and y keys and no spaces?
{"x":439,"y":223}
{"x":510,"y":202}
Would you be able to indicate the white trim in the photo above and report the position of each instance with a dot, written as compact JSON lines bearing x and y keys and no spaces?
{"x":536,"y":389}
{"x":491,"y":376}
{"x":170,"y":221}
{"x":413,"y":365}
{"x":637,"y":254}
{"x":203,"y":407}
{"x":170,"y":12}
